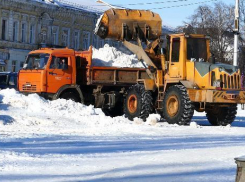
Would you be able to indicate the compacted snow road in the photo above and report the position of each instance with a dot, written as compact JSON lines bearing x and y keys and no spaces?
{"x":66,"y":141}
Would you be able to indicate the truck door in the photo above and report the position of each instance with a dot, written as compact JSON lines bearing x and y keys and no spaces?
{"x":59,"y":73}
{"x":174,"y":67}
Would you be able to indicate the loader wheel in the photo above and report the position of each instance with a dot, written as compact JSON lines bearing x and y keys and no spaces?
{"x":177,"y":107}
{"x":138,"y":103}
{"x":221,"y":116}
{"x":70,"y":96}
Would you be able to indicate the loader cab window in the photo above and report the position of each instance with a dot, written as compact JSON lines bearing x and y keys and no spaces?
{"x":197,"y":49}
{"x":36,"y":61}
{"x":175,"y":49}
{"x":59,"y":63}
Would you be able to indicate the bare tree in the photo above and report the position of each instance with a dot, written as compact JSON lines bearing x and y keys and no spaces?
{"x":217,"y":22}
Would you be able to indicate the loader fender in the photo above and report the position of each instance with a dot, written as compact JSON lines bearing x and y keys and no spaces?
{"x":187,"y":84}
{"x":150,"y":84}
{"x":65,"y":88}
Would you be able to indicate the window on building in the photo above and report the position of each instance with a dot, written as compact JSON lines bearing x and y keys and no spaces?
{"x":23,"y":32}
{"x":32,"y":34}
{"x":76,"y":40}
{"x":15,"y":31}
{"x":95,"y":41}
{"x":43,"y":37}
{"x":21,"y":64}
{"x":4,"y":29}
{"x":86,"y":40}
{"x":101,"y":43}
{"x":13,"y":66}
{"x":54,"y":36}
{"x":65,"y":38}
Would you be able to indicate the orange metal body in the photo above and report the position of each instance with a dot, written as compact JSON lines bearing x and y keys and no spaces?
{"x":79,"y":72}
{"x":134,"y":23}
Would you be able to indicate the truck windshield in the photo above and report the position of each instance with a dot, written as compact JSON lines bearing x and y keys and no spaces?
{"x":196,"y":49}
{"x":3,"y":79}
{"x":36,"y":61}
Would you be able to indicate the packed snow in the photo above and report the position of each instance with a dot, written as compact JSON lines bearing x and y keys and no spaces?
{"x":111,"y":56}
{"x":66,"y":141}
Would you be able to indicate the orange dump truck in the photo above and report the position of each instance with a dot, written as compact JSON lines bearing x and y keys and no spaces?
{"x":69,"y":74}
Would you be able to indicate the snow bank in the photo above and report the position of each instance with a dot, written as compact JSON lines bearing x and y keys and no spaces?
{"x":110,"y":56}
{"x":58,"y":116}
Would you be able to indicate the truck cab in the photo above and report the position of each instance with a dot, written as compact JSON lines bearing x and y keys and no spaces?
{"x":47,"y":70}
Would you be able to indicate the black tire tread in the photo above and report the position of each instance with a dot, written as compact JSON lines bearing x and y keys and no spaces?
{"x":146,"y":102}
{"x":225,"y":116}
{"x":185,"y":117}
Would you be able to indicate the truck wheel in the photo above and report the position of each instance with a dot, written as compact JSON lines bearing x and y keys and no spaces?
{"x":177,"y":107}
{"x":70,"y":96}
{"x":114,"y":112}
{"x":138,"y":103}
{"x":221,"y":116}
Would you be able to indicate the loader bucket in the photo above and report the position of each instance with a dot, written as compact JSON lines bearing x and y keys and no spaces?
{"x":122,"y":24}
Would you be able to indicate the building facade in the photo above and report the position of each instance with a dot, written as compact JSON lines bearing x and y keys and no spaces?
{"x":30,"y":24}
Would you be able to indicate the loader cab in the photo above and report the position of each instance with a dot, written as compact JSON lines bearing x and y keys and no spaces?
{"x":184,"y":49}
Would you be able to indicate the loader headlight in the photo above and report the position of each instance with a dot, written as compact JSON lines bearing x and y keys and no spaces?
{"x":221,"y":69}
{"x":216,"y":83}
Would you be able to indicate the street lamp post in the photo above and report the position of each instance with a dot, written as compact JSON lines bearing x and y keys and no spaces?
{"x":236,"y":33}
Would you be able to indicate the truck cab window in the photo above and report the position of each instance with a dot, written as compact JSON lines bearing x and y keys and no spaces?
{"x":36,"y":61}
{"x":175,"y":49}
{"x":59,"y":63}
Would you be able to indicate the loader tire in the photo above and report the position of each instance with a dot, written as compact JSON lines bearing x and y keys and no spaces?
{"x":70,"y":96}
{"x":221,"y":116}
{"x":138,"y":103}
{"x":177,"y":107}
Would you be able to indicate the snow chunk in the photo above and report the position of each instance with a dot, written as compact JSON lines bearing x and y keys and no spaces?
{"x":110,"y":56}
{"x":194,"y":125}
{"x":153,"y":119}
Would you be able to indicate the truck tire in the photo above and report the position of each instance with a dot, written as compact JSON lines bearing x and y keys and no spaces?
{"x":114,"y":112}
{"x":70,"y":96}
{"x":177,"y":107}
{"x":138,"y":103}
{"x":221,"y":116}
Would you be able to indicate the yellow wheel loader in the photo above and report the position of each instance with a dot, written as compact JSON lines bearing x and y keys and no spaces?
{"x":182,"y":75}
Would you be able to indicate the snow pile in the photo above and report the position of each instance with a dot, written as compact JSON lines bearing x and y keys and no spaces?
{"x":58,"y":116}
{"x":110,"y":56}
{"x":34,"y":103}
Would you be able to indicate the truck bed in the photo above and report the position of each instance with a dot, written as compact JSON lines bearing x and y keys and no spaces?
{"x":94,"y":75}
{"x":110,"y":75}
{"x":114,"y":75}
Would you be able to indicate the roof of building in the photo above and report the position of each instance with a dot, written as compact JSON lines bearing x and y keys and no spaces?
{"x":71,"y":5}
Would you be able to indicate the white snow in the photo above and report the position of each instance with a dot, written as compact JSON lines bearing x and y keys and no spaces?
{"x":61,"y":140}
{"x":111,"y":56}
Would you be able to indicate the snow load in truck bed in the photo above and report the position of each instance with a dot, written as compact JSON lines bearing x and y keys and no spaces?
{"x":110,"y":56}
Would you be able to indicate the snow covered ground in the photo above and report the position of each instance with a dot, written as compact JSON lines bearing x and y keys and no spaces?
{"x":65,"y":141}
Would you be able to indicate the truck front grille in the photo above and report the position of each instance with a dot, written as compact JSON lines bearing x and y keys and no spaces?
{"x":230,"y":82}
{"x":29,"y":88}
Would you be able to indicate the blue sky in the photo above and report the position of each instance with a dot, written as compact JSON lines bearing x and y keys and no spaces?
{"x":173,"y":16}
